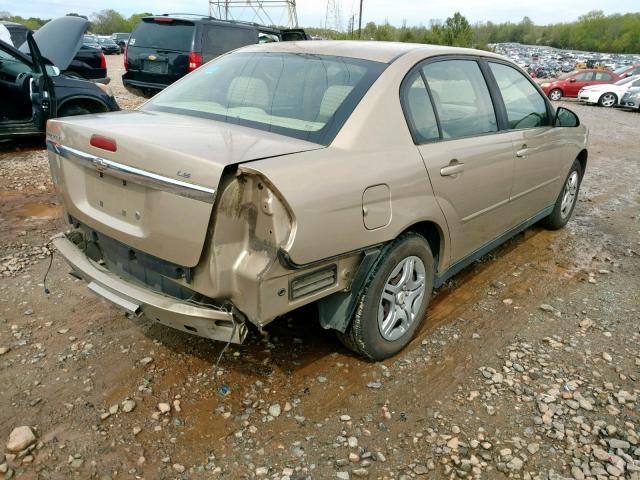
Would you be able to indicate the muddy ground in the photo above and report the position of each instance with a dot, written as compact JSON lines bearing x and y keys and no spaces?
{"x":527,"y":365}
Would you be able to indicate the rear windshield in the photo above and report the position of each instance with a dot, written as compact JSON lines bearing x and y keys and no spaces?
{"x":298,"y":95}
{"x":173,"y":35}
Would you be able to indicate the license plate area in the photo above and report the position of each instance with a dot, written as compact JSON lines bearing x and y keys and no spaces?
{"x":152,"y":66}
{"x":116,"y":198}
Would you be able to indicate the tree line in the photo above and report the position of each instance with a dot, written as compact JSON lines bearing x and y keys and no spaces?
{"x":594,"y":31}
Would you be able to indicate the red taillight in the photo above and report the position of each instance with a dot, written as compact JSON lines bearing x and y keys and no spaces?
{"x":103,"y":61}
{"x":126,"y":63}
{"x":163,"y":20}
{"x":104,"y":143}
{"x":195,"y":61}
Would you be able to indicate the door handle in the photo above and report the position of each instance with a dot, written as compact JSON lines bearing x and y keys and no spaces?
{"x":522,"y":153}
{"x":453,"y":168}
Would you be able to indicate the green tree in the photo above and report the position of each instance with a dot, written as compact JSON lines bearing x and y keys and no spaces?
{"x":457,"y":31}
{"x":108,"y":21}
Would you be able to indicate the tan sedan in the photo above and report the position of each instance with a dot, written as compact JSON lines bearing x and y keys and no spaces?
{"x":358,"y":175}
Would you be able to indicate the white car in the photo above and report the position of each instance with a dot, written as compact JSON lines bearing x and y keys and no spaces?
{"x":609,"y":94}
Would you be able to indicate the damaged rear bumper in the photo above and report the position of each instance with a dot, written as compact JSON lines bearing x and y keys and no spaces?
{"x":208,"y":322}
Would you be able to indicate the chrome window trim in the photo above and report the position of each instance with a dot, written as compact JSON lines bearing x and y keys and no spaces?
{"x":134,"y":175}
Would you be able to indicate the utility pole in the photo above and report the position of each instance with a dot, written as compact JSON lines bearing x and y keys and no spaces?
{"x":360,"y":21}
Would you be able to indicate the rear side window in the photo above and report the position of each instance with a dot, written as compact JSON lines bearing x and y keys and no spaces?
{"x":525,"y":106}
{"x":461,"y":97}
{"x":217,"y":40}
{"x":419,"y":110}
{"x":603,"y":76}
{"x":174,"y":35}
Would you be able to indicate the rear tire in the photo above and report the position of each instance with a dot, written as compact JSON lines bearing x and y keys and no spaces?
{"x":566,"y":200}
{"x":394,"y":300}
{"x":608,"y":100}
{"x":555,"y":94}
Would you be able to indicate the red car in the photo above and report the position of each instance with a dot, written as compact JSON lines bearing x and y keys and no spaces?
{"x":570,"y":84}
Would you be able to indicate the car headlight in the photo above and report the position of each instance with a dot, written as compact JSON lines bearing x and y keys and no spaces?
{"x":105,"y":88}
{"x":546,"y":84}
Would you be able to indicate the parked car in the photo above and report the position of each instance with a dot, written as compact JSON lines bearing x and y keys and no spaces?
{"x":570,"y":85}
{"x":88,"y":64}
{"x":608,"y":95}
{"x":91,"y":41}
{"x":108,"y":46}
{"x":273,"y":164}
{"x":164,"y":48}
{"x":121,"y":39}
{"x":628,"y":70}
{"x":631,"y":99}
{"x":32,"y":87}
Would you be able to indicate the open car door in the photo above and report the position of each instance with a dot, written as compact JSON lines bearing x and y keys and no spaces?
{"x":294,"y":34}
{"x":41,"y":87}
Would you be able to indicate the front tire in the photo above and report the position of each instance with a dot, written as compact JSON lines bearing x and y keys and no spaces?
{"x":394,"y":300}
{"x":567,"y":199}
{"x":608,"y":100}
{"x":555,"y":94}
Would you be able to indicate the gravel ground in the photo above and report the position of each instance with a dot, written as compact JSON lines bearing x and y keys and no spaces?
{"x":527,"y":366}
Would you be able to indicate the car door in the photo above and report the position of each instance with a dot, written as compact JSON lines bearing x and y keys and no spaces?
{"x":537,"y":171}
{"x":469,"y":161}
{"x":575,"y":83}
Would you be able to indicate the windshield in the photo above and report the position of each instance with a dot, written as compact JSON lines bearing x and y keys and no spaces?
{"x":299,"y":95}
{"x":621,"y":70}
{"x":168,"y":34}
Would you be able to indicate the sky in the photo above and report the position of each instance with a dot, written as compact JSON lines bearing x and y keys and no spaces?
{"x":313,"y":12}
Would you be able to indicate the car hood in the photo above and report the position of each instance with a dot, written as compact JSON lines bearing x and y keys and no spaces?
{"x":5,"y":36}
{"x":59,"y":40}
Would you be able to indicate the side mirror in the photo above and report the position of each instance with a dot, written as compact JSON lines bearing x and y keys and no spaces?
{"x":572,"y":80}
{"x":566,"y":118}
{"x":52,"y":70}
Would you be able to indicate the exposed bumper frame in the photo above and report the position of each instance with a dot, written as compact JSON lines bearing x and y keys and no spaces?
{"x":216,"y":324}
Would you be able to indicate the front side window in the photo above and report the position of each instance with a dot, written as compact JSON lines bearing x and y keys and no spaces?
{"x":461,"y":97}
{"x":419,"y":110}
{"x":300,"y":95}
{"x":525,"y":106}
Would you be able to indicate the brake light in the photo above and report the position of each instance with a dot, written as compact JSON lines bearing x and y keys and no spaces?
{"x":126,"y":63}
{"x":103,"y":61}
{"x":163,"y":20}
{"x":195,"y":61}
{"x":104,"y":143}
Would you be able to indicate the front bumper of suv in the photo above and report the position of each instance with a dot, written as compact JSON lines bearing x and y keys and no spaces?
{"x":136,"y":300}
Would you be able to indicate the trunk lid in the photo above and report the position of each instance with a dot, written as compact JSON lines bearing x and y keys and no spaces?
{"x":136,"y":195}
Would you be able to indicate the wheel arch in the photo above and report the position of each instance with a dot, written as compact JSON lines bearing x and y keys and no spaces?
{"x":582,"y":159}
{"x":434,"y":235}
{"x":94,"y":105}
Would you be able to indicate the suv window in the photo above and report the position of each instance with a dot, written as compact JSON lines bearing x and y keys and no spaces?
{"x":584,"y":77}
{"x":217,"y":40}
{"x":526,"y":108}
{"x":170,"y":35}
{"x":461,"y":98}
{"x":603,"y":76}
{"x":419,"y":110}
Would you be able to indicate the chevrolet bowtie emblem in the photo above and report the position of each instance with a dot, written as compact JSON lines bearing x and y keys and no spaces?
{"x":100,"y":164}
{"x":152,"y":57}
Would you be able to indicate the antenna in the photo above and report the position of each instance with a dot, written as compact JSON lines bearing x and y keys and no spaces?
{"x":259,"y":11}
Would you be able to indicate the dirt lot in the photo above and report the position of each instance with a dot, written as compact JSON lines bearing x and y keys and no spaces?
{"x":527,"y":366}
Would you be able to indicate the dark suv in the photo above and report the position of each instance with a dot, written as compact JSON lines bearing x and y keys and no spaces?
{"x":164,"y":48}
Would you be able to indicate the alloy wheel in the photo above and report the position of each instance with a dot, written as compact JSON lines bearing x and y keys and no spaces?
{"x":555,"y":95}
{"x":402,"y":297}
{"x":569,"y":194}
{"x":608,"y":100}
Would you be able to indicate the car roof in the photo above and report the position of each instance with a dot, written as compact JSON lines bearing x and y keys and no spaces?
{"x":385,"y":52}
{"x":196,"y":18}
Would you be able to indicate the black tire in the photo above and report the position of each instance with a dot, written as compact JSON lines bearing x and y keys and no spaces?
{"x":559,"y":217}
{"x":363,"y":335}
{"x":73,"y":110}
{"x":606,"y":98}
{"x":555,"y":94}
